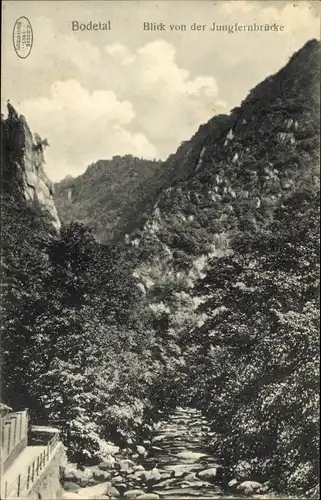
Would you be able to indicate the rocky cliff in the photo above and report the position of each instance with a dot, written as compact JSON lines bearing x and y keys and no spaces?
{"x":238,"y":170}
{"x":229,"y":264}
{"x":115,"y":197}
{"x":22,"y":165}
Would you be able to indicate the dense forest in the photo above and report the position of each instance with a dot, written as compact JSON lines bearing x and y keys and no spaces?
{"x":112,"y":197}
{"x":211,"y":301}
{"x":76,"y":334}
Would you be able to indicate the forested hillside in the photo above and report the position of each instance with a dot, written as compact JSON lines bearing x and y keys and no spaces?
{"x":112,"y":196}
{"x":255,"y":360}
{"x":198,"y":287}
{"x":76,"y":330}
{"x":229,"y":263}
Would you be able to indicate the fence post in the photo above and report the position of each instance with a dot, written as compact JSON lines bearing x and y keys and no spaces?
{"x":2,"y":436}
{"x":15,"y":439}
{"x":28,"y":478}
{"x":26,"y":422}
{"x":5,"y":441}
{"x":9,"y":437}
{"x":13,"y":436}
{"x":33,"y":471}
{"x":20,"y":431}
{"x":18,"y":488}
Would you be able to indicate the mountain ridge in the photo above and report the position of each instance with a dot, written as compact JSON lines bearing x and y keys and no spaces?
{"x":105,"y":195}
{"x":210,"y":301}
{"x":266,"y":149}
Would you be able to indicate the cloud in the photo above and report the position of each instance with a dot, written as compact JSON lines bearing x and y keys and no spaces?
{"x":83,"y":127}
{"x":164,"y":106}
{"x":120,"y":52}
{"x":129,"y":91}
{"x":170,"y":103}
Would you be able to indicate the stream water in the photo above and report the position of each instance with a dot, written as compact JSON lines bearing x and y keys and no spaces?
{"x":174,"y":464}
{"x":179,"y":453}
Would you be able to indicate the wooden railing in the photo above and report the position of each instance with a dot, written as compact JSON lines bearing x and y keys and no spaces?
{"x":28,"y":477}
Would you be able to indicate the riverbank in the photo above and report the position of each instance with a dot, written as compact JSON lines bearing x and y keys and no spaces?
{"x":174,"y":464}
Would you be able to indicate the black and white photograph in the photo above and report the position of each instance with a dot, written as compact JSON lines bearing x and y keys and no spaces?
{"x":160,"y":195}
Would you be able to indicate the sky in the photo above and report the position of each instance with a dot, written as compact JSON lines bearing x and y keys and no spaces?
{"x":96,"y":94}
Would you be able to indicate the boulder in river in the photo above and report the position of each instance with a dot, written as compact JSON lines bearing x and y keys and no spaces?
{"x":158,"y":438}
{"x":209,"y":474}
{"x":190,"y":477}
{"x":132,"y":494}
{"x":141,"y":450}
{"x":195,"y":484}
{"x":118,"y":479}
{"x":153,"y":475}
{"x":148,"y":496}
{"x":248,"y":487}
{"x":140,"y":474}
{"x":126,"y":464}
{"x":81,"y":477}
{"x":70,"y":486}
{"x":70,"y":472}
{"x":180,"y":473}
{"x":167,"y":475}
{"x":190,"y":456}
{"x":138,"y":468}
{"x":101,"y":475}
{"x":113,"y":492}
{"x":96,"y":491}
{"x":107,"y":464}
{"x":232,"y":483}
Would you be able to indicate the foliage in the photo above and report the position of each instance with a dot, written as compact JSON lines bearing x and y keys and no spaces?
{"x":112,"y":197}
{"x":225,"y":316}
{"x":256,"y":360}
{"x":75,"y":336}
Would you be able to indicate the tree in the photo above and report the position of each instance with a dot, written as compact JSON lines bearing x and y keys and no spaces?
{"x":254,"y":361}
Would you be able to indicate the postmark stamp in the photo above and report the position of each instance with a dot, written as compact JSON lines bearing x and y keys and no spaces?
{"x":22,"y":37}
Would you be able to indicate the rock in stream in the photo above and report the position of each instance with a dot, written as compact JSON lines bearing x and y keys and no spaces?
{"x":175,"y":465}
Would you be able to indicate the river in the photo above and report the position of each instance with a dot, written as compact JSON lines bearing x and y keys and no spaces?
{"x":174,"y":464}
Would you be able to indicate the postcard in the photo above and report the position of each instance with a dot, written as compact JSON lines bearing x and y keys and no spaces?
{"x":160,"y":175}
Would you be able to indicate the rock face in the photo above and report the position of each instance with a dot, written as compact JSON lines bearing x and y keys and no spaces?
{"x":22,"y":161}
{"x":233,"y":174}
{"x":115,"y":197}
{"x":229,"y":176}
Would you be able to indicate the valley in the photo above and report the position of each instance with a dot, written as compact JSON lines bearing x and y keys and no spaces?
{"x":164,"y":316}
